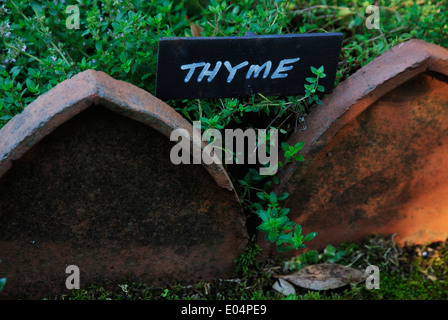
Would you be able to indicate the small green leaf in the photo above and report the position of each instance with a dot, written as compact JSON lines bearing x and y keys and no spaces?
{"x":299,"y":145}
{"x":123,"y":57}
{"x":6,"y":117}
{"x":263,"y":215}
{"x":280,"y":221}
{"x":264,"y":227}
{"x":283,"y":196}
{"x":284,"y":238}
{"x":272,"y":236}
{"x":2,"y":283}
{"x":283,"y":212}
{"x":330,"y":250}
{"x":98,"y":46}
{"x":145,"y":76}
{"x":15,"y":71}
{"x":117,"y":27}
{"x":289,"y":225}
{"x":261,"y":195}
{"x":273,"y":197}
{"x":30,"y":84}
{"x":4,"y":73}
{"x":267,"y":185}
{"x":310,"y":236}
{"x":297,"y":230}
{"x":309,"y":87}
{"x":6,"y":84}
{"x":320,"y":70}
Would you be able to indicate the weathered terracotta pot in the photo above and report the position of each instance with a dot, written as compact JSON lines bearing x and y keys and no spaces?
{"x":376,"y":153}
{"x":86,"y":180}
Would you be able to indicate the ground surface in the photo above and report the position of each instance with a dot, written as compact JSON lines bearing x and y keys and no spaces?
{"x":406,"y":273}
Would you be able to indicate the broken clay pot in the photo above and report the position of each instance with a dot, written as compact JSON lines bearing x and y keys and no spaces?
{"x":376,"y":154}
{"x":86,"y":180}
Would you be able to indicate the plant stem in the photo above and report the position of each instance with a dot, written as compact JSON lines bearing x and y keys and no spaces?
{"x":22,"y":52}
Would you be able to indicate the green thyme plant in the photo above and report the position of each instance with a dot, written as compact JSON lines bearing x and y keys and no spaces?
{"x":275,"y":223}
{"x":246,"y":263}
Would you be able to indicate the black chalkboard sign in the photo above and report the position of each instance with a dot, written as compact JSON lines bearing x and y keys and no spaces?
{"x":221,"y":67}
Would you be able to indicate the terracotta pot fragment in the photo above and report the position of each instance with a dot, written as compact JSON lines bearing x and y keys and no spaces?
{"x":376,"y":153}
{"x":86,"y":180}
